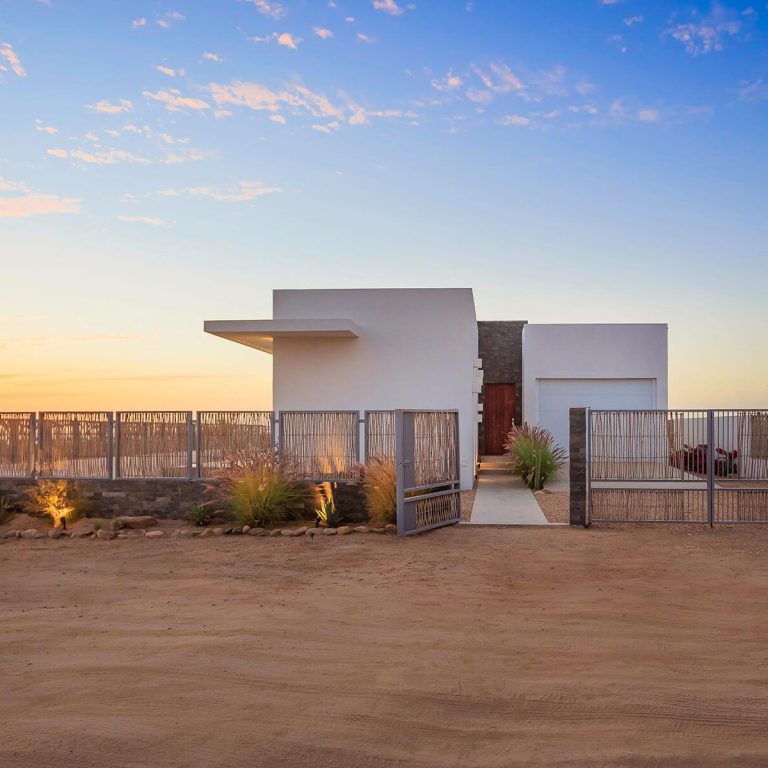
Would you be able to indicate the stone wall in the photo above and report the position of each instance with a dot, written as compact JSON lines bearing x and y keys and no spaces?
{"x":163,"y":498}
{"x":500,"y":347}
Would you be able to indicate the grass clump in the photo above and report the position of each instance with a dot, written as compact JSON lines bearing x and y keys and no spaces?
{"x":380,"y":491}
{"x":534,"y":453}
{"x":6,"y":509}
{"x":200,"y":514}
{"x":258,"y":489}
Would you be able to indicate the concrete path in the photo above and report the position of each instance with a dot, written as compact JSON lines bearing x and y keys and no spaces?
{"x":504,"y":500}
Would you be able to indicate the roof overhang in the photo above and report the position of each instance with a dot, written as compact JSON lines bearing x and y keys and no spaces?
{"x":260,"y":334}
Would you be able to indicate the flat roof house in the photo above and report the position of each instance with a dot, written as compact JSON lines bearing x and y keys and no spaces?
{"x":423,"y":348}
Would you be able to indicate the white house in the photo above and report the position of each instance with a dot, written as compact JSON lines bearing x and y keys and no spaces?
{"x":383,"y":349}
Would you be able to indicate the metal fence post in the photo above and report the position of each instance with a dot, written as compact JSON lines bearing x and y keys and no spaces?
{"x":711,"y":467}
{"x":117,"y":444}
{"x":110,"y":446}
{"x":400,"y":472}
{"x":190,"y":445}
{"x":32,"y":457}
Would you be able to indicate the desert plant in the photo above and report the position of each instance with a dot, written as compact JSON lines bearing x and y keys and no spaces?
{"x":51,"y":498}
{"x":380,"y":491}
{"x":6,"y":509}
{"x":535,"y":454}
{"x":327,"y":514}
{"x":200,"y":514}
{"x":258,"y":489}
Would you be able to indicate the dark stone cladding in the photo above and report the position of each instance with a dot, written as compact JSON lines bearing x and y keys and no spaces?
{"x":500,"y":347}
{"x":578,"y":465}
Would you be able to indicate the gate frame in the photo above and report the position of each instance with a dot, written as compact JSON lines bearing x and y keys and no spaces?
{"x":403,"y":457}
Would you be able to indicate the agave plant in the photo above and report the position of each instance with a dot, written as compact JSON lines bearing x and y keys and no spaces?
{"x":534,"y":453}
{"x":327,"y":514}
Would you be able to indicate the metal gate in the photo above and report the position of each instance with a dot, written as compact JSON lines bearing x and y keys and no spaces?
{"x":428,"y":470}
{"x":684,"y":466}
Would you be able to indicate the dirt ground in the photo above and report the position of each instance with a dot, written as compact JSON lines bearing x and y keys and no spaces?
{"x":463,"y":647}
{"x":555,"y":505}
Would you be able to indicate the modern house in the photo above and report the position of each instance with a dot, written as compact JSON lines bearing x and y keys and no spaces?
{"x":423,"y":348}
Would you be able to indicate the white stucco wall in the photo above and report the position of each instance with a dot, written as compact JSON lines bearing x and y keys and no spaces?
{"x":604,"y":351}
{"x":416,"y":350}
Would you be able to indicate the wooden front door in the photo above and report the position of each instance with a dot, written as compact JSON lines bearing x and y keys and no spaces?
{"x":498,"y":416}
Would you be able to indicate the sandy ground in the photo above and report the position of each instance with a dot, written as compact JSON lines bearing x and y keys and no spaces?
{"x":462,"y":647}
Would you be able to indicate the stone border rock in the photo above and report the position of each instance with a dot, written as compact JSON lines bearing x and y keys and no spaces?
{"x":130,"y":532}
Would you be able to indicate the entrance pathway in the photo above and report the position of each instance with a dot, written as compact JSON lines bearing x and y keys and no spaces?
{"x":503,"y":499}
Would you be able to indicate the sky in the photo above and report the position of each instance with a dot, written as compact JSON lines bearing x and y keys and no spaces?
{"x":163,"y":163}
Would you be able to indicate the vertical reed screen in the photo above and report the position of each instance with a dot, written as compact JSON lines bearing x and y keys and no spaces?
{"x":436,"y":437}
{"x":321,"y":445}
{"x":16,"y":444}
{"x":75,"y":444}
{"x":380,"y":436}
{"x":154,"y":443}
{"x":437,"y":509}
{"x":223,"y":434}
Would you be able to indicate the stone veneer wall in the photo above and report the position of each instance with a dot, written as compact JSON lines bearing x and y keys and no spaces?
{"x":578,"y":466}
{"x":164,"y":498}
{"x":500,"y":347}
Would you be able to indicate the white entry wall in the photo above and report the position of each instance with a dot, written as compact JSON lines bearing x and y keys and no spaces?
{"x":593,"y":366}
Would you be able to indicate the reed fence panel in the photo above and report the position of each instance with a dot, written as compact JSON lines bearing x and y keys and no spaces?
{"x":435,"y":446}
{"x":154,"y":444}
{"x":75,"y":444}
{"x":321,"y":445}
{"x":223,"y":434}
{"x":379,"y":436}
{"x":17,"y":444}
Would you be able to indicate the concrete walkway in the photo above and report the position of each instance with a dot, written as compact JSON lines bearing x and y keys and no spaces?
{"x":504,"y":500}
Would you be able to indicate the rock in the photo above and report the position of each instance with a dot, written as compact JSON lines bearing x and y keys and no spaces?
{"x":312,"y":532}
{"x":390,"y":528}
{"x":206,"y":533}
{"x":228,"y":529}
{"x":55,"y":533}
{"x":154,"y":534}
{"x":343,"y":530}
{"x":30,"y":533}
{"x":276,"y":532}
{"x":378,"y":530}
{"x":236,"y":531}
{"x":301,"y":531}
{"x":286,"y":532}
{"x":329,"y":531}
{"x":12,"y":534}
{"x":187,"y":532}
{"x":82,"y":534}
{"x":135,"y":521}
{"x":257,"y":532}
{"x":361,"y":529}
{"x":246,"y":528}
{"x":218,"y":531}
{"x":103,"y":533}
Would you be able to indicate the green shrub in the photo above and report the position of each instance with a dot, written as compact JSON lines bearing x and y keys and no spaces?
{"x":50,"y":498}
{"x":327,"y":514}
{"x":200,"y":514}
{"x":380,"y":491}
{"x":258,"y":489}
{"x":535,"y":454}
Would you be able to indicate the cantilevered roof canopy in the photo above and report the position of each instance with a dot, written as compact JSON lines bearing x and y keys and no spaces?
{"x":260,"y":334}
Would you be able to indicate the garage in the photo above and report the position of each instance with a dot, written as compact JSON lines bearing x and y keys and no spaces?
{"x":557,"y":396}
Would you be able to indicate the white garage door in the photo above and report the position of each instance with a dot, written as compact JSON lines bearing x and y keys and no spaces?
{"x":557,"y":396}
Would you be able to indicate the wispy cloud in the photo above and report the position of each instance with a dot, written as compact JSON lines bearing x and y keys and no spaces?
{"x":630,"y":21}
{"x":175,"y":102}
{"x":42,"y":128}
{"x":108,"y":108}
{"x":281,"y":38}
{"x":18,"y":201}
{"x":151,"y":221}
{"x":448,"y":83}
{"x":243,"y":191}
{"x":169,"y":71}
{"x":707,"y":33}
{"x":107,"y":157}
{"x":274,"y":10}
{"x":212,"y":57}
{"x":516,"y":120}
{"x":168,"y":19}
{"x":138,"y":23}
{"x":388,"y":6}
{"x":363,"y":38}
{"x":323,"y":32}
{"x":8,"y":55}
{"x":757,"y":90}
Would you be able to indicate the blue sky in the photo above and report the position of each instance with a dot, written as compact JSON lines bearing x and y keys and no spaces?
{"x":163,"y":163}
